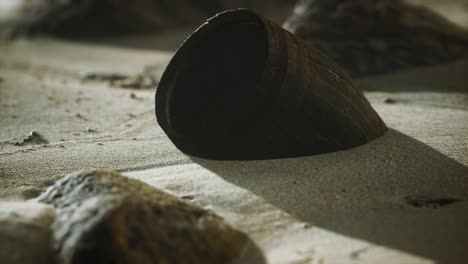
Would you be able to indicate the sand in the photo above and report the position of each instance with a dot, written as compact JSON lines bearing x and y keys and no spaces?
{"x":399,"y":199}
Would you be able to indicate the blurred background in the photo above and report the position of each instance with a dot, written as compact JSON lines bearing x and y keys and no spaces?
{"x":73,"y":18}
{"x":365,"y":37}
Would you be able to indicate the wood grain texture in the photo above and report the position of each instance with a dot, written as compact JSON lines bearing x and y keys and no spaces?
{"x":104,"y":217}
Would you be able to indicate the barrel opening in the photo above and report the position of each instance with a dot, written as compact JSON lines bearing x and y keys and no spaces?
{"x":214,"y":99}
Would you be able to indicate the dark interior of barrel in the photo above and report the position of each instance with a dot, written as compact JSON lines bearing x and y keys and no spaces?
{"x":214,"y":103}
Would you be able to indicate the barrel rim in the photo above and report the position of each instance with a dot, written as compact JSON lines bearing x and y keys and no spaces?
{"x":167,"y":82}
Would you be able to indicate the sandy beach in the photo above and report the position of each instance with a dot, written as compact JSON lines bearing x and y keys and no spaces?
{"x":400,"y":199}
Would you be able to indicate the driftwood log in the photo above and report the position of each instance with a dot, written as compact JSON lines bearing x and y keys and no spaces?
{"x":371,"y":37}
{"x":104,"y":217}
{"x":26,"y":235}
{"x":241,"y":87}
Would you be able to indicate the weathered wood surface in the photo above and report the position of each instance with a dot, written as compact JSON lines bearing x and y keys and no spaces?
{"x":241,"y":87}
{"x":26,"y":235}
{"x":105,"y":217}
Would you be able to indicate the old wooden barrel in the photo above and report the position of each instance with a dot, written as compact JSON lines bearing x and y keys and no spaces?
{"x":241,"y":87}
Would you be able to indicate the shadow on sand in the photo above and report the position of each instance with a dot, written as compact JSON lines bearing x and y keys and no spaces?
{"x":395,"y":191}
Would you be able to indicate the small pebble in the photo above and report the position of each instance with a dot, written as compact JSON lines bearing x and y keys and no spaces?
{"x":94,"y":76}
{"x":188,"y":197}
{"x":32,"y":138}
{"x":390,"y":101}
{"x":90,"y":130}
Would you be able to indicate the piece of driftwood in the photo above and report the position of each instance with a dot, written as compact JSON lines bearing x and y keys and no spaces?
{"x":378,"y":36}
{"x":104,"y":217}
{"x":241,"y":87}
{"x":26,"y":235}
